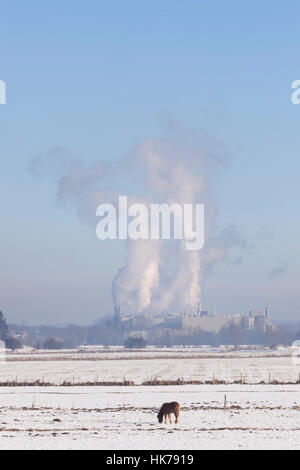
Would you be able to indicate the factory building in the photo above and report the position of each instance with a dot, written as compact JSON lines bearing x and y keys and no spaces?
{"x":213,"y":323}
{"x":202,"y":320}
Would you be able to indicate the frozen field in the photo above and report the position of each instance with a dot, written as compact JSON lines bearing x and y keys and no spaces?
{"x":256,"y":417}
{"x":139,"y":366}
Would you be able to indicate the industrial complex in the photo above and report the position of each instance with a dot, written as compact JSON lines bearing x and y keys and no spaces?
{"x":201,"y":320}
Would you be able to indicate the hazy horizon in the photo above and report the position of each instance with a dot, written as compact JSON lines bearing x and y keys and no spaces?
{"x":87,"y":88}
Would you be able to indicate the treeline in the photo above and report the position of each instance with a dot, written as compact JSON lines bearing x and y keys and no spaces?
{"x":10,"y":340}
{"x":72,"y":336}
{"x":69,"y":336}
{"x":232,"y":334}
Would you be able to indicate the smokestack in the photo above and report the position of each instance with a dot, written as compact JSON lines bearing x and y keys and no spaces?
{"x":266,"y":312}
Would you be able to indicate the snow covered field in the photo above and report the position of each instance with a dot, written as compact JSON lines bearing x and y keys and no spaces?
{"x":119,"y":417}
{"x":256,"y":417}
{"x":189,"y":364}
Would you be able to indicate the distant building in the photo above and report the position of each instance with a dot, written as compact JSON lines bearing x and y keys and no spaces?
{"x":213,"y":323}
{"x":117,"y":321}
{"x":201,"y":320}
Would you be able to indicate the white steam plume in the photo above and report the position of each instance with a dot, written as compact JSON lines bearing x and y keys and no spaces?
{"x":157,"y":275}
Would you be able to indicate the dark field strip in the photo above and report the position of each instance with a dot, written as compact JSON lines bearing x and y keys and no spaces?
{"x":154,"y":382}
{"x":144,"y":358}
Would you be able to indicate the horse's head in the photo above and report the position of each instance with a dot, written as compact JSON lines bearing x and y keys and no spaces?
{"x":160,"y":417}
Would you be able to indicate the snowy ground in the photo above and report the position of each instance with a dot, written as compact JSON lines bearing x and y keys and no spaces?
{"x":138,"y":366}
{"x":58,"y":417}
{"x":115,"y":352}
{"x":256,"y":417}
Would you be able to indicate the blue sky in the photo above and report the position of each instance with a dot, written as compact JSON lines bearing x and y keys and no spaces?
{"x":96,"y":78}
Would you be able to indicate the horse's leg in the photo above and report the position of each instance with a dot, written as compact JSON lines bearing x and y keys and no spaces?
{"x":170,"y":418}
{"x":176,"y":417}
{"x":165,"y":419}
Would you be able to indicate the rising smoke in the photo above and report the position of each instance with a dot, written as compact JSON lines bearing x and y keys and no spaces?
{"x":157,"y":275}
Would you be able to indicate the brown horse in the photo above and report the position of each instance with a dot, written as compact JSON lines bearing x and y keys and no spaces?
{"x":166,"y":410}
